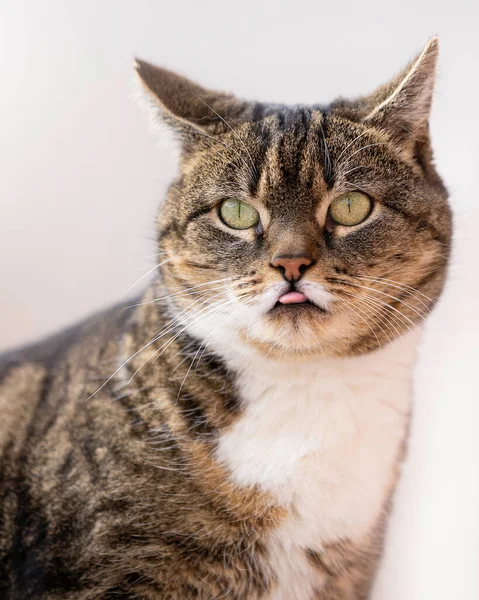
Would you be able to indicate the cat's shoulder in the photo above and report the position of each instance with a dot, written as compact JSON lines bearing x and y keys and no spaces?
{"x":25,"y":372}
{"x":101,"y":325}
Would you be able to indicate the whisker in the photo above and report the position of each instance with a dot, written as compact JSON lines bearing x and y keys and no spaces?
{"x":220,"y":326}
{"x":162,"y":349}
{"x":354,"y":310}
{"x":197,"y":131}
{"x":382,"y":317}
{"x":172,"y":324}
{"x":152,"y":341}
{"x":379,"y":302}
{"x":327,"y":157}
{"x":185,"y":291}
{"x":148,"y":273}
{"x":380,"y":310}
{"x":351,"y":143}
{"x":421,"y":313}
{"x":349,"y":171}
{"x":364,"y":148}
{"x":121,"y":367}
{"x":400,"y":285}
{"x":254,"y":172}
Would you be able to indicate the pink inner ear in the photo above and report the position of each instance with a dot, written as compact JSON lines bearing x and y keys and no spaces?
{"x":292,"y":298}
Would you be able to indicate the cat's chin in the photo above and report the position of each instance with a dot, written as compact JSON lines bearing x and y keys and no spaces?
{"x":295,"y":331}
{"x":295,"y":311}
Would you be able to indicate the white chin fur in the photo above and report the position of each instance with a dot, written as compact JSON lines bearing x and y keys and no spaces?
{"x":218,"y":329}
{"x":316,"y":293}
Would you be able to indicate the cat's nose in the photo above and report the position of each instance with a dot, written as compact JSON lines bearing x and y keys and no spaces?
{"x":292,"y":266}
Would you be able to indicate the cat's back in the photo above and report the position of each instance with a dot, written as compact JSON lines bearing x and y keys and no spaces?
{"x":43,"y":393}
{"x":24,"y":379}
{"x":27,"y":373}
{"x":39,"y":380}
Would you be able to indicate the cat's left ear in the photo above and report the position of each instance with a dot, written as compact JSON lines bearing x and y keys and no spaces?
{"x":402,"y":107}
{"x":190,"y":109}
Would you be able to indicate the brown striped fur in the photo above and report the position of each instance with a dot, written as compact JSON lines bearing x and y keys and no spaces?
{"x":112,"y":490}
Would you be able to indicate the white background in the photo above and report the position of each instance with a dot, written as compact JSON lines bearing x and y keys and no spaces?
{"x":80,"y":179}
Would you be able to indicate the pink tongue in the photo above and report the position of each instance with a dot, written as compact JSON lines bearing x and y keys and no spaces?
{"x":292,"y":298}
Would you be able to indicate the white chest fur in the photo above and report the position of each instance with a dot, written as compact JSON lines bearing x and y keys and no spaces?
{"x":324,"y":438}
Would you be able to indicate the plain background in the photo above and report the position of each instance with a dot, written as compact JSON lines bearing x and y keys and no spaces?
{"x":80,"y":179}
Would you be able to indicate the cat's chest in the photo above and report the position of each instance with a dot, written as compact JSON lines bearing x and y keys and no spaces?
{"x":324,"y":439}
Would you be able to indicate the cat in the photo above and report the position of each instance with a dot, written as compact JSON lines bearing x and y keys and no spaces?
{"x":237,"y":432}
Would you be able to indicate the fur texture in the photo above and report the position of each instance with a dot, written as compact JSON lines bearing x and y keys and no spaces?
{"x":212,"y":441}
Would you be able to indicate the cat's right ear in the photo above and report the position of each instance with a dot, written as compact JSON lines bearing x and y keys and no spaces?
{"x":195,"y":113}
{"x":402,"y":107}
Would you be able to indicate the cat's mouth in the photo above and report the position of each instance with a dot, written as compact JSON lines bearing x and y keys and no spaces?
{"x":295,"y":301}
{"x":293,"y":297}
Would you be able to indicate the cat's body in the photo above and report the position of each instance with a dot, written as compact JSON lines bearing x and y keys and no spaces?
{"x":331,"y":460}
{"x":224,"y":437}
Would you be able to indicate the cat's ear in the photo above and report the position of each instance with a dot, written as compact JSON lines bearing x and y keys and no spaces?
{"x":193,"y":111}
{"x":402,"y":107}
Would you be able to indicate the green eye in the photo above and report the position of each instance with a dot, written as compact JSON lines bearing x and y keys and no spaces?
{"x":350,"y":209}
{"x":238,"y":214}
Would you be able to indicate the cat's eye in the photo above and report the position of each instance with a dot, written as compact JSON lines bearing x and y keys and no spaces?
{"x":238,"y":214}
{"x":350,"y":209}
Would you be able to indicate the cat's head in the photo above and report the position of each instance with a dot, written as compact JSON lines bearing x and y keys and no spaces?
{"x":303,"y":229}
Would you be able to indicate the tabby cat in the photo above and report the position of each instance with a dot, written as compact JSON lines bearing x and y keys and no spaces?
{"x":238,"y":431}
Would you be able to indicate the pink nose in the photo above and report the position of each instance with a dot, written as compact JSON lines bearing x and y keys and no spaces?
{"x":293,"y":266}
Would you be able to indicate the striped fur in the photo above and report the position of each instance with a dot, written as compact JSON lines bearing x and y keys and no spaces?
{"x":206,"y":442}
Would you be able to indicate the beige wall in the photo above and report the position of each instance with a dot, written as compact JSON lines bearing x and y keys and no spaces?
{"x":80,"y":179}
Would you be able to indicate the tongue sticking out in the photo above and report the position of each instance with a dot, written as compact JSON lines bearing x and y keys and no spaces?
{"x":292,"y":298}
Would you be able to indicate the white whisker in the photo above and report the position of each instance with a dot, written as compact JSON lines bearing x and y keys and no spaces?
{"x":400,"y":285}
{"x":184,"y":291}
{"x":209,"y":311}
{"x":148,"y":273}
{"x":421,"y":313}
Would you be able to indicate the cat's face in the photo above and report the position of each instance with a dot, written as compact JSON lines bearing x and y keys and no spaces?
{"x":302,"y":230}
